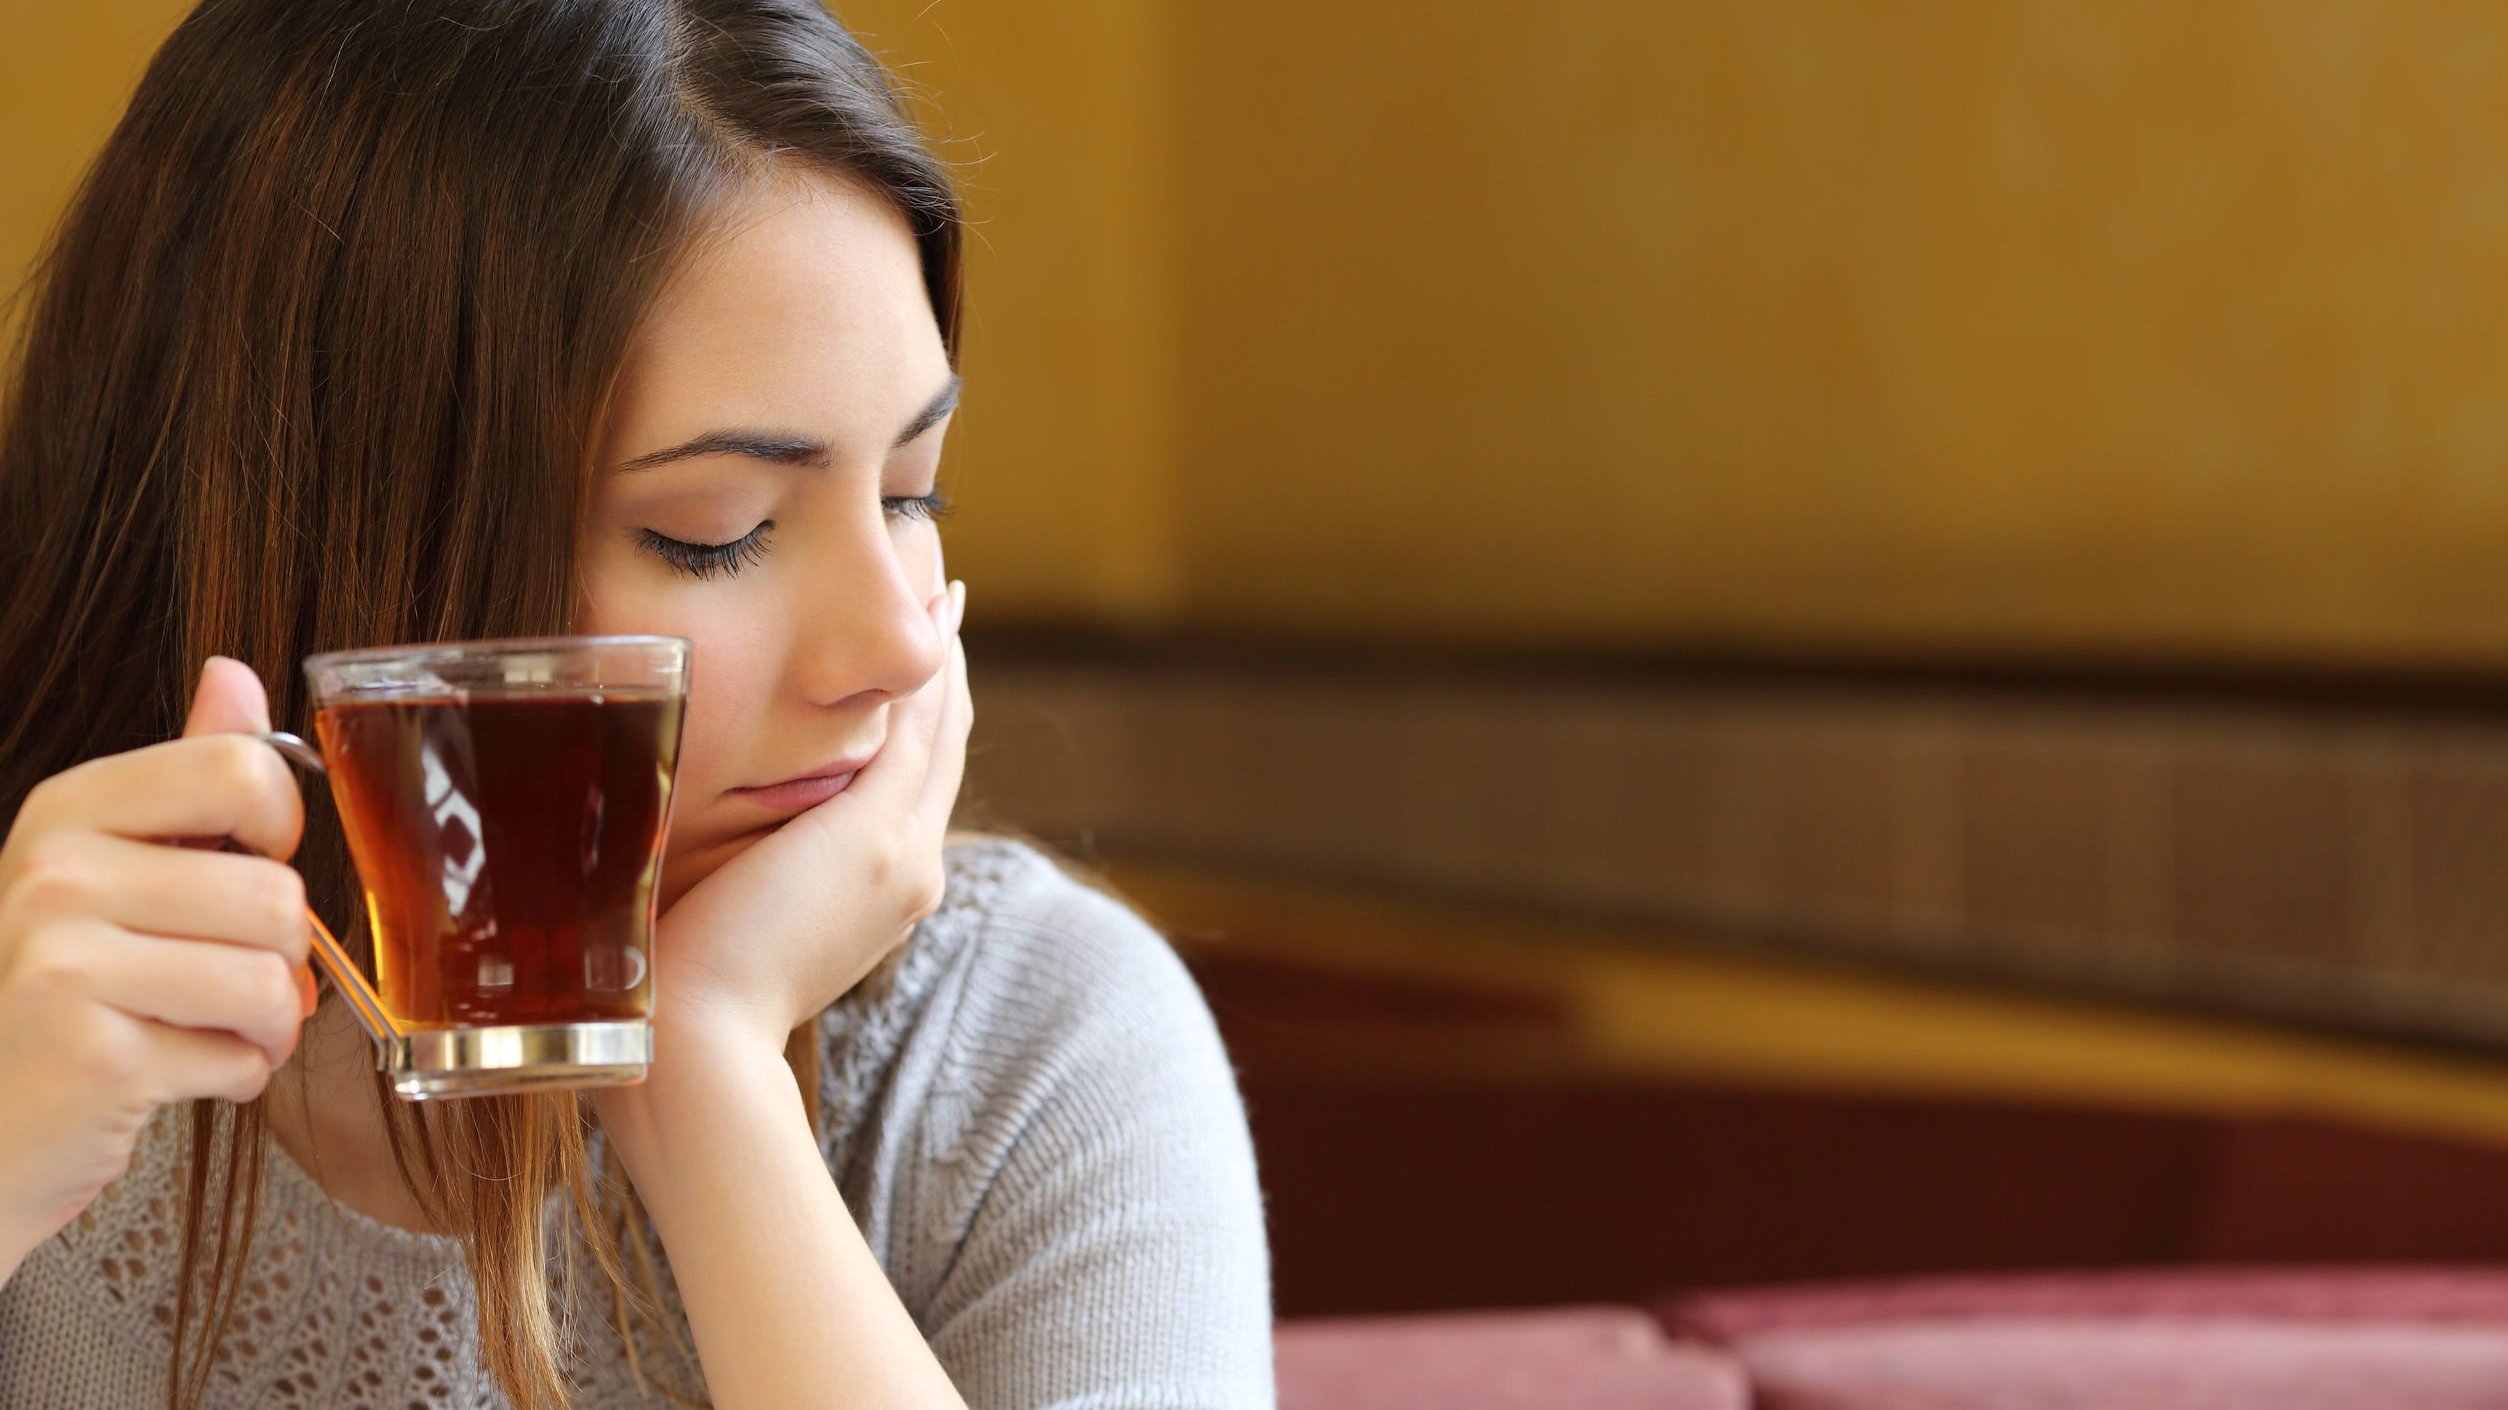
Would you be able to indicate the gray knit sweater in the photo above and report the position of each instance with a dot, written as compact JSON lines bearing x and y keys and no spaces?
{"x":1036,"y":1128}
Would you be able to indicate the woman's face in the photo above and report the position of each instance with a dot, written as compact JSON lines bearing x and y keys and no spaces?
{"x":789,"y":393}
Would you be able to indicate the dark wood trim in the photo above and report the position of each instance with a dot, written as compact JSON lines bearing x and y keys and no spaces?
{"x":2434,"y":691}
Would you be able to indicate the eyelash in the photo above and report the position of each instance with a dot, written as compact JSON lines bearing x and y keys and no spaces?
{"x":702,"y":560}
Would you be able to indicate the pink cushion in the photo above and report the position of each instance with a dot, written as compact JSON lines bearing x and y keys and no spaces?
{"x":1578,"y":1358}
{"x":1980,"y":1363}
{"x":2431,"y":1293}
{"x":2162,"y":1339}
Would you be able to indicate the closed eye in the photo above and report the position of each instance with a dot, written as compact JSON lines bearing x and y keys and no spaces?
{"x":704,"y":560}
{"x":933,"y":506}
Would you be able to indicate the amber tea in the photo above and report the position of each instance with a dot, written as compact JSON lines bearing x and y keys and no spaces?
{"x":509,"y":842}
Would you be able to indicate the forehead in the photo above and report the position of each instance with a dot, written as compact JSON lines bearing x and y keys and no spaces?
{"x":804,"y":298}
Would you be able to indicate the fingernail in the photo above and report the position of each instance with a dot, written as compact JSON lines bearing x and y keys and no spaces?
{"x":958,"y":602}
{"x":305,"y":987}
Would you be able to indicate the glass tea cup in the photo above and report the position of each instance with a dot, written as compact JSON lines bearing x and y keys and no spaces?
{"x":505,"y":803}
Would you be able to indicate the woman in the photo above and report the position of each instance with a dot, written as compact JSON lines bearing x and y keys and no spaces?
{"x":476,"y":318}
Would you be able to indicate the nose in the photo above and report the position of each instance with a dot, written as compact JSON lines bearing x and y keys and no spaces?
{"x":866,"y":633}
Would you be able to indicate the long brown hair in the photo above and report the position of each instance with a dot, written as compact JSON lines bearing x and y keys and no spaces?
{"x":315,"y":360}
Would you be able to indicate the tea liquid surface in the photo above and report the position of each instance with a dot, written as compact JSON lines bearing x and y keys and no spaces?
{"x":510,"y":844}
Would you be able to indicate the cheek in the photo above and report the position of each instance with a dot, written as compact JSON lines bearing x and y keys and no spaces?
{"x":721,"y":710}
{"x":724,"y":665}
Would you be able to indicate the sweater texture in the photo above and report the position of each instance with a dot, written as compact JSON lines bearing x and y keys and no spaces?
{"x":1035,"y":1126}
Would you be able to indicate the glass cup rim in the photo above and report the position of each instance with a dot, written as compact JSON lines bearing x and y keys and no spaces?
{"x":490,"y":647}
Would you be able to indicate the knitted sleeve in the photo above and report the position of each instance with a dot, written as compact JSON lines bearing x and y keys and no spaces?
{"x":1094,"y":1170}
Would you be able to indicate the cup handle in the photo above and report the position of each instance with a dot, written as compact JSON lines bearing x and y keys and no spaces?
{"x":335,"y":961}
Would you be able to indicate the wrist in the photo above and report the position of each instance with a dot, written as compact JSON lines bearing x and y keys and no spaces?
{"x":709,"y":1088}
{"x":716,"y":1029}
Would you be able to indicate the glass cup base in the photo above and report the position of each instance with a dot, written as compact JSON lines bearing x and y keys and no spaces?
{"x":478,"y":1062}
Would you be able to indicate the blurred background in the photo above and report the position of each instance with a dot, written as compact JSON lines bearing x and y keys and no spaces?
{"x":1745,"y":640}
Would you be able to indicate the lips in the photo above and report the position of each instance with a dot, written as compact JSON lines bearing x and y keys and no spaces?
{"x":798,"y":796}
{"x":827,"y":771}
{"x":826,"y":778}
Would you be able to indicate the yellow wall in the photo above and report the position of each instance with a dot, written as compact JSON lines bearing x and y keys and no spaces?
{"x":65,"y":72}
{"x":2154,"y":326}
{"x":2144,"y":324}
{"x":2139,"y":325}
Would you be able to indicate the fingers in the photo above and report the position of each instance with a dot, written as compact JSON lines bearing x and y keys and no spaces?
{"x":170,"y":891}
{"x":207,"y":785}
{"x":182,"y":1063}
{"x":228,"y":700}
{"x":894,"y":779}
{"x":947,"y":770}
{"x":248,"y":993}
{"x":946,"y":757}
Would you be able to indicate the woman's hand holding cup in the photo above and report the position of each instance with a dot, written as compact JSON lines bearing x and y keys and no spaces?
{"x":135,"y":972}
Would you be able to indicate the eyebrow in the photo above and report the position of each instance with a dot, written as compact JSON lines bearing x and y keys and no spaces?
{"x":785,"y":449}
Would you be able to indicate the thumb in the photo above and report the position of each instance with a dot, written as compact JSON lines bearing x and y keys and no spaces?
{"x":228,"y":700}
